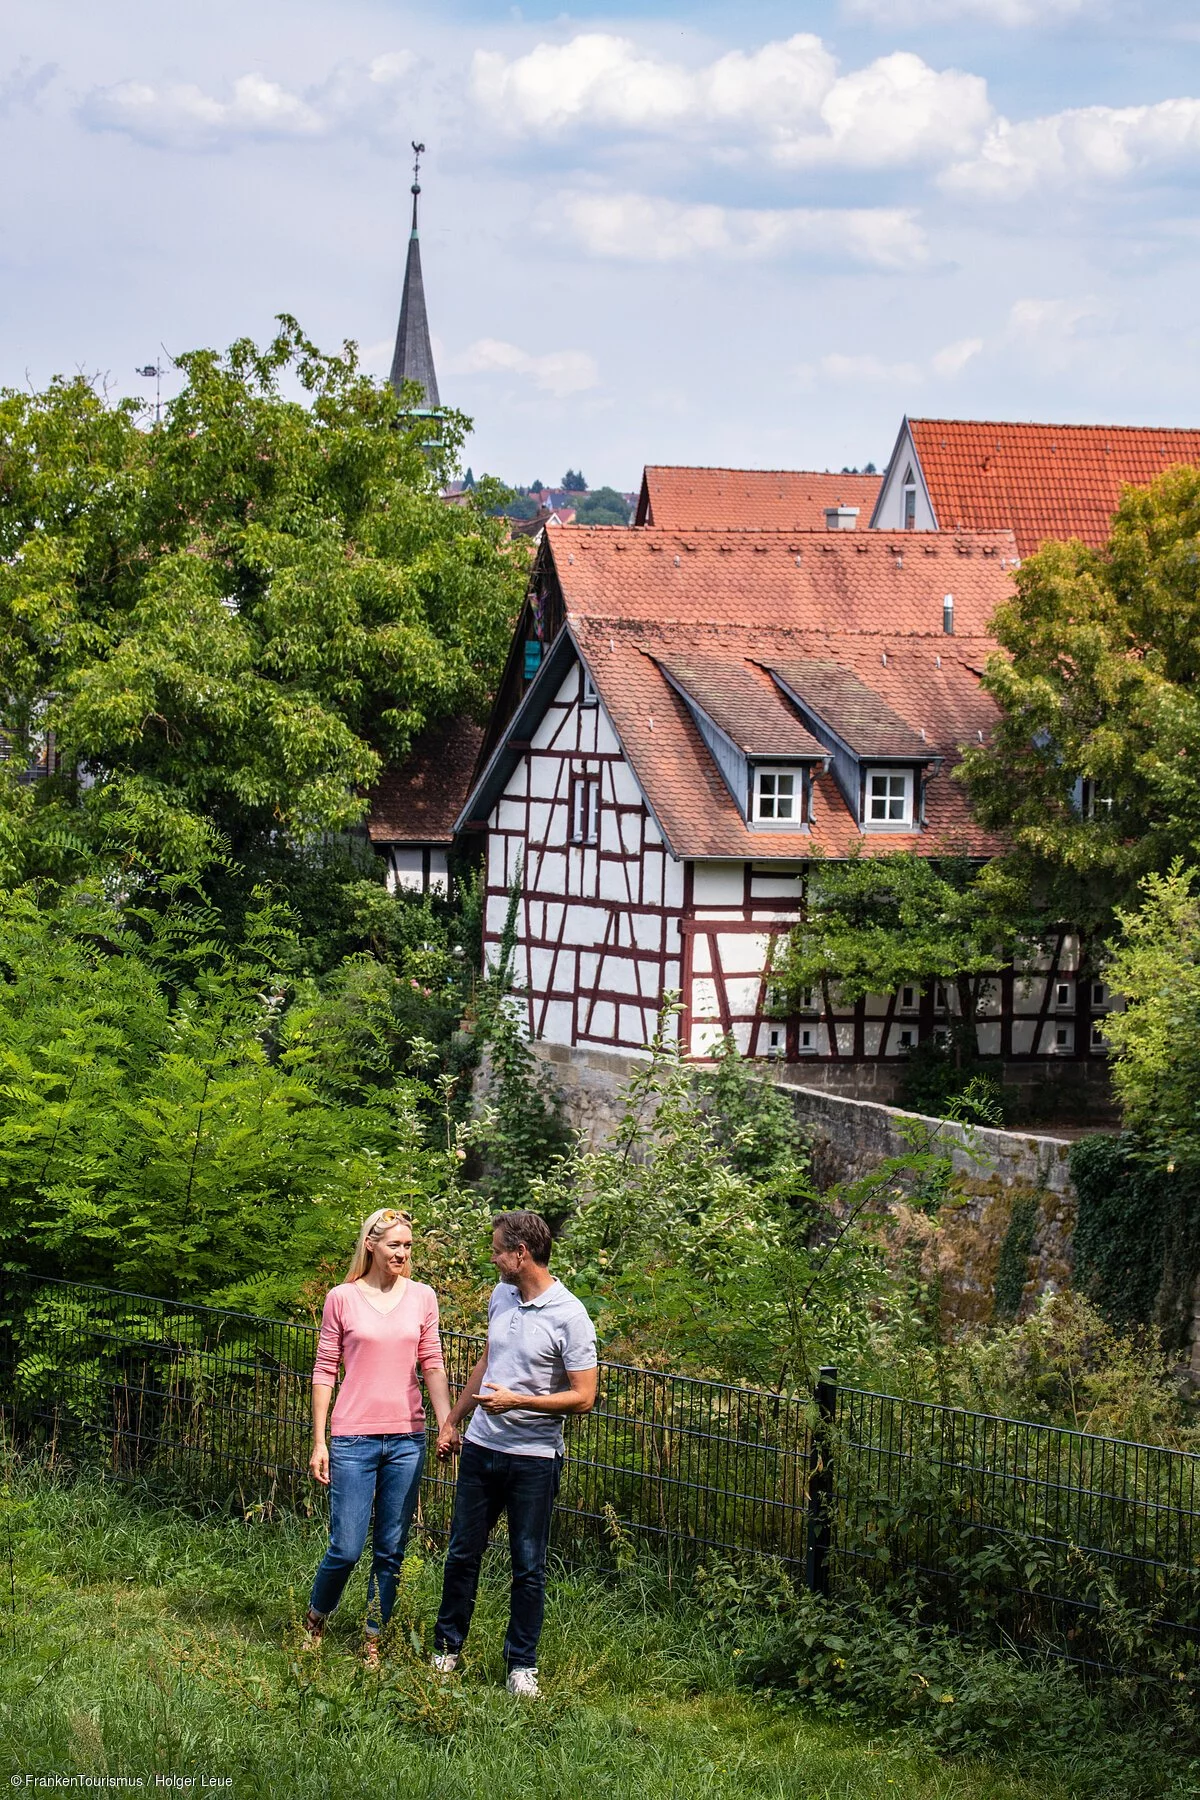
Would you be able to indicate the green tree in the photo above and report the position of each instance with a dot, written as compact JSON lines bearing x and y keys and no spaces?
{"x":574,"y":483}
{"x":228,"y":622}
{"x":166,"y":1123}
{"x":1091,"y":772}
{"x":1156,"y":1038}
{"x":874,"y":923}
{"x":603,"y":506}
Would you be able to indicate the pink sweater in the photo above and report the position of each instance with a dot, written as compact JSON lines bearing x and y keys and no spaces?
{"x":380,"y":1353}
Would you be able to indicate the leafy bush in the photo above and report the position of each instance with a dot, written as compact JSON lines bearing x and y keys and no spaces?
{"x":865,"y":1661}
{"x":167,"y":1124}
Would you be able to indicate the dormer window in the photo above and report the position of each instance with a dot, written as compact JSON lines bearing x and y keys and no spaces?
{"x":778,"y":796}
{"x":888,"y":799}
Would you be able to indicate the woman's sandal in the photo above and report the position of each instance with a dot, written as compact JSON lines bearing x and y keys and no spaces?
{"x":314,"y":1630}
{"x":370,"y":1653}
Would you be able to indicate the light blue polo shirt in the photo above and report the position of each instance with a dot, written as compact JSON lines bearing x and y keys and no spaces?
{"x":531,"y":1346}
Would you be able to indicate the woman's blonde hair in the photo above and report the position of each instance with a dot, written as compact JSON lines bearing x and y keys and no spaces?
{"x":372,"y":1227}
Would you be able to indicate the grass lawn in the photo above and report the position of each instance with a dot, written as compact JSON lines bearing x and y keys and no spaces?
{"x":135,"y":1640}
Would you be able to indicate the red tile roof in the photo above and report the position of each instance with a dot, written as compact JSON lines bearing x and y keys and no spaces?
{"x":680,"y":778}
{"x":1040,"y":481}
{"x":869,"y":581}
{"x":418,"y":801}
{"x":840,"y":700}
{"x":685,"y":499}
{"x":745,"y":703}
{"x":870,"y":605}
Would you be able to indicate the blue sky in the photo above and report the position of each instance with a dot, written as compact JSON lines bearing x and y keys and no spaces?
{"x":671,"y":233}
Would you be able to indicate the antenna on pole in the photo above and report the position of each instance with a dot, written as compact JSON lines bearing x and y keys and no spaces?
{"x":418,"y":153}
{"x":154,"y":371}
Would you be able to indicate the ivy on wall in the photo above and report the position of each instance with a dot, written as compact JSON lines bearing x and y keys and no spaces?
{"x":1012,"y":1267}
{"x":1137,"y":1240}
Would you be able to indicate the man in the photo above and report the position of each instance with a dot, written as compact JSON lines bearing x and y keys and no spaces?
{"x":539,"y":1365}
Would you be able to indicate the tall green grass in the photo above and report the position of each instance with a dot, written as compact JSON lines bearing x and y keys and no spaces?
{"x":135,"y":1639}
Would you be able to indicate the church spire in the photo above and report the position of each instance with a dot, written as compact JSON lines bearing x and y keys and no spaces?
{"x":413,"y":360}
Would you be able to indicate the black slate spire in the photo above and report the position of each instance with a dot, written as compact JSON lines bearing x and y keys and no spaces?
{"x":413,"y":360}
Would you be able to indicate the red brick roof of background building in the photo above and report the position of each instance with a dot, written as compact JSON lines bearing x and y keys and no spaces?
{"x":687,"y":499}
{"x":418,"y":801}
{"x":871,"y":604}
{"x":1040,"y":481}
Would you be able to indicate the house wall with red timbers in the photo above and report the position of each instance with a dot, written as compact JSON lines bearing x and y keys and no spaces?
{"x":609,"y":923}
{"x":601,"y":899}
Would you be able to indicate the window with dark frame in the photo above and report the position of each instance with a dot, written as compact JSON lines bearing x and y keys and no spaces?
{"x":585,"y":809}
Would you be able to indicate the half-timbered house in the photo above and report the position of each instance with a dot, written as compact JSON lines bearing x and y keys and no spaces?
{"x":703,"y":716}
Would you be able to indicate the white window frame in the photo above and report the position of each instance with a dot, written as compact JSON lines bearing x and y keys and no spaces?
{"x":585,"y":809}
{"x":1091,"y":805}
{"x":587,"y":692}
{"x":890,"y":775}
{"x":807,"y":1040}
{"x":1064,"y":1040}
{"x":774,"y":772}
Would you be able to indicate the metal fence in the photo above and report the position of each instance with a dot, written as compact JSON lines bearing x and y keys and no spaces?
{"x":1086,"y":1544}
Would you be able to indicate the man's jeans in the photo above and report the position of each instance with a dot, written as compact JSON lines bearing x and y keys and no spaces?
{"x":363,"y":1471}
{"x":491,"y":1482}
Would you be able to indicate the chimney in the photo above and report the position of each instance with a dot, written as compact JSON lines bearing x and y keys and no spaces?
{"x":841,"y":518}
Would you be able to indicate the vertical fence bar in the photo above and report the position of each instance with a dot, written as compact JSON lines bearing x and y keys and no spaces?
{"x":820,"y":1483}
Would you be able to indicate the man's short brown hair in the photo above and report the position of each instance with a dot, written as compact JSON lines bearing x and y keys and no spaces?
{"x":528,"y":1228}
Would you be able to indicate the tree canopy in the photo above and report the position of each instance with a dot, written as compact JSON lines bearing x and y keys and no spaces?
{"x":1092,"y":770}
{"x":229,"y":621}
{"x":603,"y":506}
{"x":873,"y":923}
{"x":573,"y":482}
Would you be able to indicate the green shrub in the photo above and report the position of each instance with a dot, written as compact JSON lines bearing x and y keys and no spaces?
{"x":863,"y":1661}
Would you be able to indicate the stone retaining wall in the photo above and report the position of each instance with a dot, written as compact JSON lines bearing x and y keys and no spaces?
{"x":995,"y":1172}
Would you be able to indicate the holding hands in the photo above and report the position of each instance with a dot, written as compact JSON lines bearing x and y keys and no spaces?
{"x":449,"y":1441}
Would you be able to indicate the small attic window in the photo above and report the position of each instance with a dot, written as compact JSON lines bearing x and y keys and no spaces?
{"x":587,"y":693}
{"x":910,"y":500}
{"x":778,"y":796}
{"x":888,"y":799}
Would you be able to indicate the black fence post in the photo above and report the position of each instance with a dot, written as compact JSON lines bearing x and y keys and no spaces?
{"x":820,"y":1483}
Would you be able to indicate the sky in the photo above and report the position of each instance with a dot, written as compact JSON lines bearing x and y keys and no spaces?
{"x":752,"y":237}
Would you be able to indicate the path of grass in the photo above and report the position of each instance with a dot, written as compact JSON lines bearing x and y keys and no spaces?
{"x":141,"y":1641}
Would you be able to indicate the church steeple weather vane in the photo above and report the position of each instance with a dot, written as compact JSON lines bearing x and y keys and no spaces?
{"x":413,"y":360}
{"x":418,"y":153}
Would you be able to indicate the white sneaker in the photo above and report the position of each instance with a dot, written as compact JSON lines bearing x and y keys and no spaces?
{"x":445,"y":1663}
{"x":524,"y":1684}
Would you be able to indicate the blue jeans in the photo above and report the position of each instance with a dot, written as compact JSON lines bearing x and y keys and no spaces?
{"x":384,"y":1472}
{"x":491,"y":1482}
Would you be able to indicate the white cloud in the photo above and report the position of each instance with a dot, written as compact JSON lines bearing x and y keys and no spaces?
{"x":1012,"y":14}
{"x":24,"y":83}
{"x":863,"y":369}
{"x":647,"y":228}
{"x":953,"y":358}
{"x":786,"y":99}
{"x":557,"y":372}
{"x":1085,"y":145}
{"x":182,"y":116}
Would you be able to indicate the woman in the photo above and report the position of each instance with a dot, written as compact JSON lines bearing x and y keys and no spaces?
{"x":380,"y":1326}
